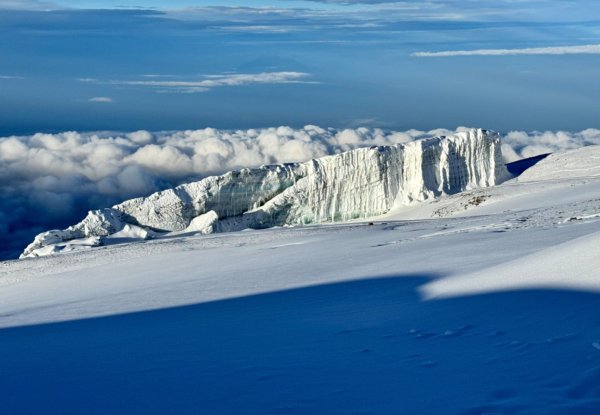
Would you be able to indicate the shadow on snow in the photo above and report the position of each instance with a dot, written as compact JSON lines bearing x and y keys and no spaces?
{"x":368,"y":346}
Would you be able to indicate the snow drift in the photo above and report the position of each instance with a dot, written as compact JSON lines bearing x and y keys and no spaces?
{"x":360,"y":183}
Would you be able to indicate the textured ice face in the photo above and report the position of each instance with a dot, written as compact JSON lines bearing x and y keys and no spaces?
{"x":371,"y":181}
{"x":231,"y":194}
{"x":360,"y":183}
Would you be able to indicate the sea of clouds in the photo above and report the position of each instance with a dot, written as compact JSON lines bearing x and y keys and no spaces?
{"x":51,"y":180}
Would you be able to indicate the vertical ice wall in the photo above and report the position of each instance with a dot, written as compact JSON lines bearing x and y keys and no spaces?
{"x":371,"y":181}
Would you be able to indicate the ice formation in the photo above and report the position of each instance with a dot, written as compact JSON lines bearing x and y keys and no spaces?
{"x":360,"y":183}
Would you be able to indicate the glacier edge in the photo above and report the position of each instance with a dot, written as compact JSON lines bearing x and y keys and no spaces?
{"x":360,"y":183}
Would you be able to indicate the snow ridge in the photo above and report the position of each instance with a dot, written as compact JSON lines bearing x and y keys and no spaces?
{"x":360,"y":183}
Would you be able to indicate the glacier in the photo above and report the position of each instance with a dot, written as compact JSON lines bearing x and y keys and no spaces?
{"x":360,"y":183}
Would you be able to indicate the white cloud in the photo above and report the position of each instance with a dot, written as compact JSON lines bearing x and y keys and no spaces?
{"x":154,"y":75}
{"x":209,"y":82}
{"x":26,"y":5}
{"x":519,"y":144}
{"x":259,"y":28}
{"x":215,"y":81}
{"x":553,"y":50}
{"x":8,"y":77}
{"x":106,"y":100}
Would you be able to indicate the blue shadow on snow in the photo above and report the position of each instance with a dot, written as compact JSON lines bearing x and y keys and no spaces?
{"x":368,"y":346}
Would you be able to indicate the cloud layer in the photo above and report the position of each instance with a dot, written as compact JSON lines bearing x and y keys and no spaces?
{"x":554,"y":50}
{"x":207,"y":83}
{"x":26,"y":5}
{"x":52,"y":180}
{"x":519,"y":144}
{"x":105,"y":100}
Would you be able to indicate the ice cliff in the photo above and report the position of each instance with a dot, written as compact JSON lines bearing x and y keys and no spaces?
{"x":360,"y":183}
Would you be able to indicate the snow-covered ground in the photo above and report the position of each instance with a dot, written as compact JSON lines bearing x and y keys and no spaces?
{"x":482,"y":302}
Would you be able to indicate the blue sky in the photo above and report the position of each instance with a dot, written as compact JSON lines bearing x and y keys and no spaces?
{"x":127,"y":65}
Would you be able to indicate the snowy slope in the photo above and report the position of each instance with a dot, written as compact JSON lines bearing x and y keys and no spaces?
{"x":357,"y":184}
{"x":583,"y":162}
{"x":547,"y":268}
{"x":487,"y":303}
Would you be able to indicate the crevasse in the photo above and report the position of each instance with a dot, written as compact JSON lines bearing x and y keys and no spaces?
{"x":360,"y":183}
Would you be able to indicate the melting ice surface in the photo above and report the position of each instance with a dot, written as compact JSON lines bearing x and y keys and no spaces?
{"x":360,"y":183}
